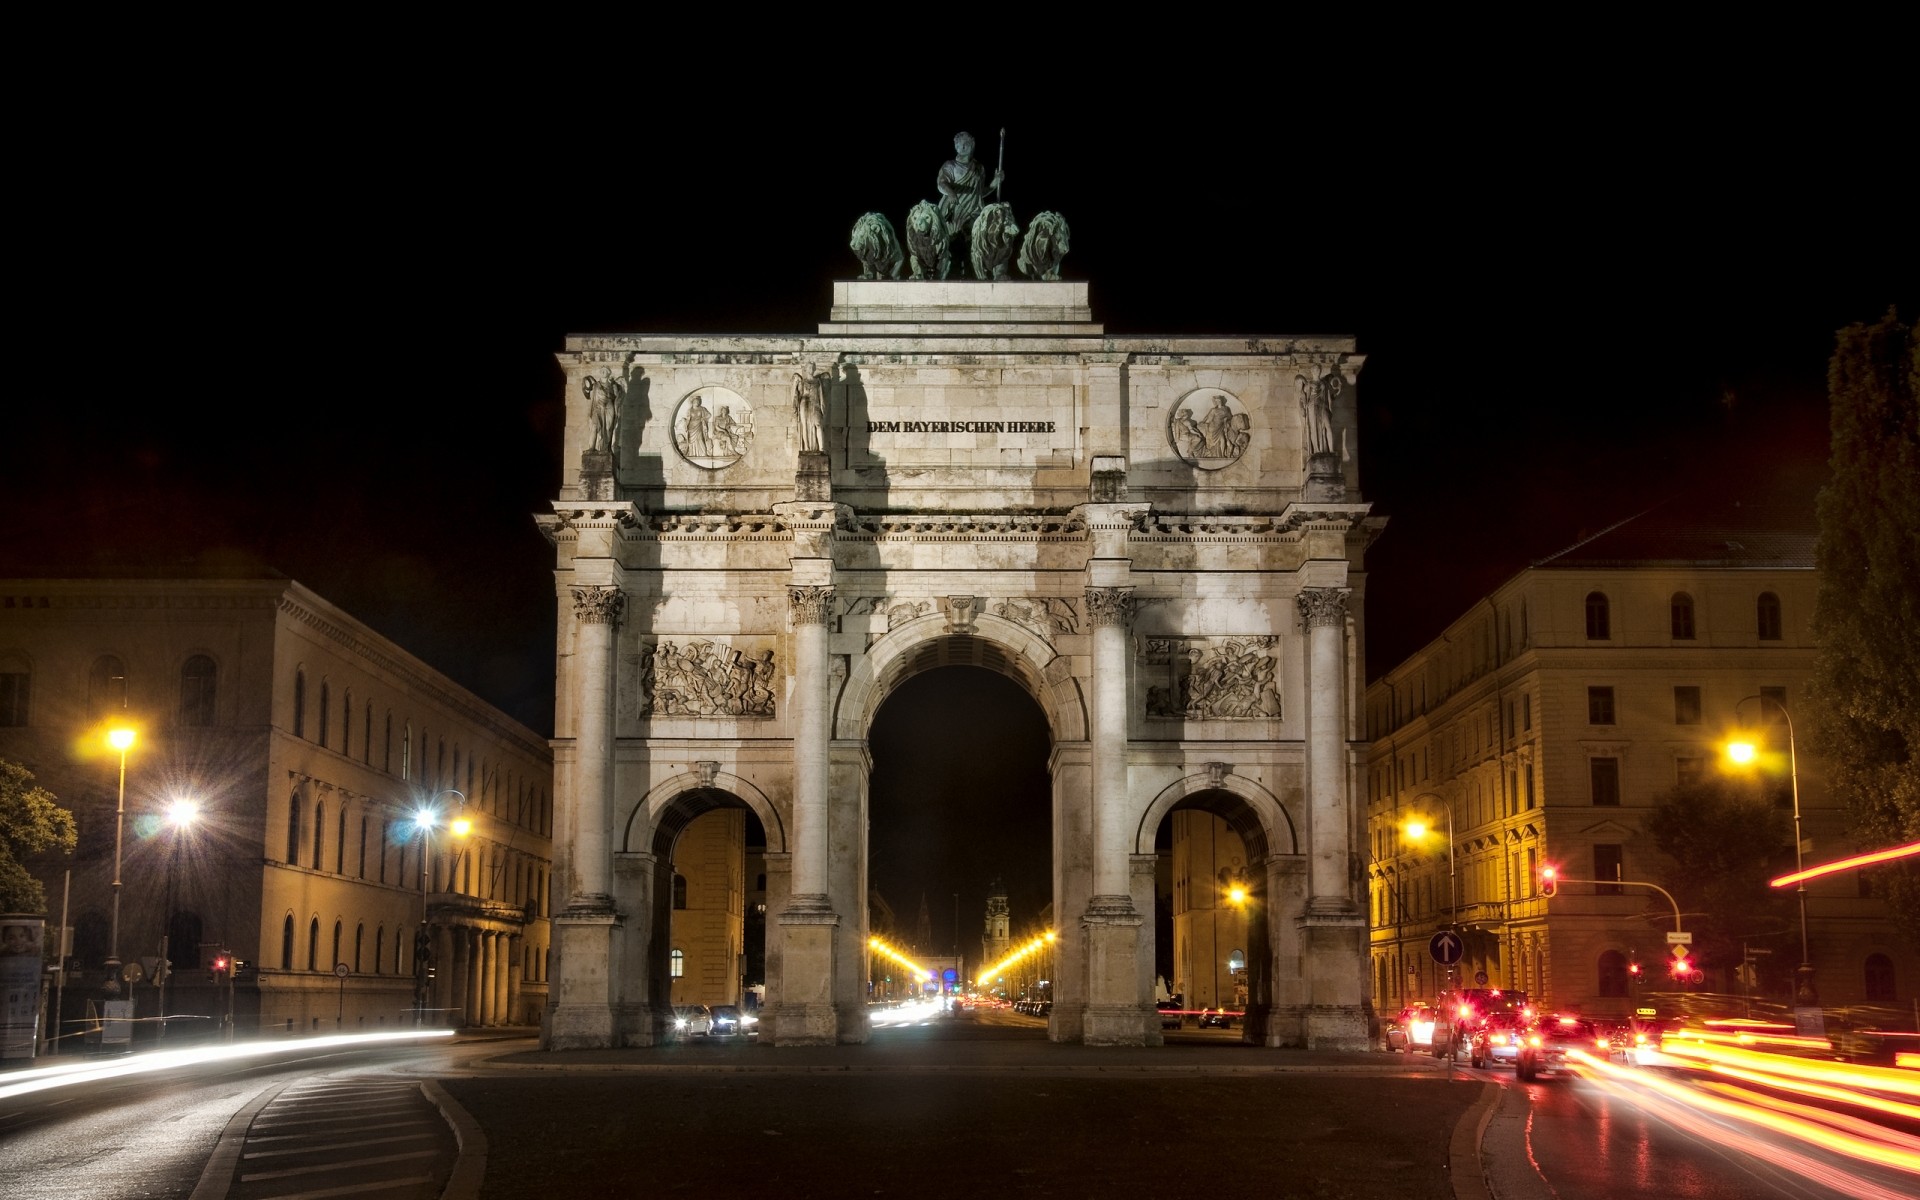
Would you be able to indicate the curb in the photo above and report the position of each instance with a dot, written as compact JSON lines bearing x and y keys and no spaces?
{"x":1463,"y":1152}
{"x":216,"y":1178}
{"x":470,"y":1168}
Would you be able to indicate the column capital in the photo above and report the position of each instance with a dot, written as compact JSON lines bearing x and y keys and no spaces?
{"x":1323,"y":606}
{"x":808,"y":605}
{"x":1110,"y":606}
{"x":598,"y":604}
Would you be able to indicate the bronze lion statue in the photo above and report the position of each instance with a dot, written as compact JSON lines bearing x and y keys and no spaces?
{"x":994,"y":237}
{"x":927,"y":237}
{"x":877,"y":249}
{"x":1045,"y":246}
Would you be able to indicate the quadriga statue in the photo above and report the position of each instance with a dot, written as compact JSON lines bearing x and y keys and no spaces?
{"x":927,"y":238}
{"x":994,"y":237}
{"x":1045,"y":246}
{"x":876,"y":247}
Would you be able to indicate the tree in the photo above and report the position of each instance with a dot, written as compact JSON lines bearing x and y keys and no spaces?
{"x":1865,"y":699}
{"x":1725,"y":839}
{"x":31,"y":822}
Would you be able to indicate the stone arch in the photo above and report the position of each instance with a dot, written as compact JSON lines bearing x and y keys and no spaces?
{"x":667,"y":809}
{"x":995,"y":643}
{"x":1262,"y":822}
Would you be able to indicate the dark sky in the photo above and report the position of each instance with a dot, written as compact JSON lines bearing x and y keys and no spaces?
{"x":320,"y":332}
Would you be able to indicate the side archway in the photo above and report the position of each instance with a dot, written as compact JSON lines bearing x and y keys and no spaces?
{"x":656,"y":821}
{"x":1262,"y":822}
{"x":988,"y":641}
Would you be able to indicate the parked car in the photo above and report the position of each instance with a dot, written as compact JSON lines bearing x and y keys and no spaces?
{"x":692,"y":1020}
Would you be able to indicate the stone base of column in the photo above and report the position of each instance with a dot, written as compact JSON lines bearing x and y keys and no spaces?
{"x":1115,"y":1014}
{"x":1334,"y":949}
{"x":804,"y":1014}
{"x":1326,"y":480}
{"x":580,"y":1012}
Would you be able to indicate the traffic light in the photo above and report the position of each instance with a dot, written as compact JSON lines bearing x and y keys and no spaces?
{"x":1681,"y":967}
{"x":1633,"y":968}
{"x":221,"y":967}
{"x":1549,"y":881}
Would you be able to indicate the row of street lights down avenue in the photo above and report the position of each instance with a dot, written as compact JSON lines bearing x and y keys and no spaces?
{"x":1742,"y":750}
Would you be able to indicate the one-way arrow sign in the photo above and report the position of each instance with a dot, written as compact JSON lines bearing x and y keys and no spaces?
{"x":1446,"y":947}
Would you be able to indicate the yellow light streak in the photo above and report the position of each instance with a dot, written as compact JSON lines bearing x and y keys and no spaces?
{"x":1846,"y":864}
{"x":1858,"y":1126}
{"x":885,"y":951}
{"x":1895,"y":1080}
{"x":1027,"y":950}
{"x":1893,"y":1108}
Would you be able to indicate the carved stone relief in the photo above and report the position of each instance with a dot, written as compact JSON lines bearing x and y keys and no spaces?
{"x":1211,"y":678}
{"x":704,"y":678}
{"x":712,"y":428}
{"x":1209,"y":429}
{"x":1045,"y":615}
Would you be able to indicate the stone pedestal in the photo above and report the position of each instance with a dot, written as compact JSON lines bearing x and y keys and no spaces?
{"x":804,"y":1014}
{"x":596,"y":474}
{"x":1325,"y":479}
{"x":1335,"y":1018}
{"x":812,"y":481}
{"x":1114,"y":1016}
{"x":580,"y":1016}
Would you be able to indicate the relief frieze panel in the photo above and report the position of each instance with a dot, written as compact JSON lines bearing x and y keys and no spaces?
{"x":1211,"y":678}
{"x":1045,"y":615}
{"x":705,"y":677}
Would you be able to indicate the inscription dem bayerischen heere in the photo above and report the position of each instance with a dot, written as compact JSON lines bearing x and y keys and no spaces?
{"x":959,"y":426}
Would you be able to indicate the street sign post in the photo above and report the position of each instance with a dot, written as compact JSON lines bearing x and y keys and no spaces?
{"x":1446,"y":947}
{"x":1677,"y":937}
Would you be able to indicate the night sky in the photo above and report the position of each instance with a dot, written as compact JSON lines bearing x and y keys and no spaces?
{"x":323,"y":339}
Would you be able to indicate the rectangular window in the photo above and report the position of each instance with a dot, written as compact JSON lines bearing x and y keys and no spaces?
{"x":1608,"y":863}
{"x":1526,"y":711}
{"x":1528,"y":775}
{"x":1510,"y":708}
{"x":1686,"y":706}
{"x":1688,"y":771}
{"x":1599,"y":706}
{"x":1533,"y":871}
{"x":1604,"y":773}
{"x":13,"y":699}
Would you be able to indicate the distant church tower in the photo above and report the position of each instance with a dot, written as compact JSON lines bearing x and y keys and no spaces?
{"x":999,"y":935}
{"x":923,"y":929}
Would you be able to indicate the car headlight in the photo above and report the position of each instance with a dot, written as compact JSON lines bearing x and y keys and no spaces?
{"x":679,"y":1022}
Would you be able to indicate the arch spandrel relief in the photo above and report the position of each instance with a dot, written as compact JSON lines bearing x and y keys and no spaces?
{"x":707,"y":677}
{"x":1211,"y":678}
{"x":1209,"y":428}
{"x":713,"y":427}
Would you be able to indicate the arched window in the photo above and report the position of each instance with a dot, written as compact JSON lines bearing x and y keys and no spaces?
{"x":106,"y":688}
{"x":359,"y":940}
{"x":363,"y":846}
{"x":386,"y":747}
{"x":16,"y":680}
{"x":326,"y":713}
{"x":1880,"y":978}
{"x":366,"y":741}
{"x":293,"y":829}
{"x":346,"y":724}
{"x":340,"y":844}
{"x":313,"y":944}
{"x":1613,"y":973}
{"x":319,"y":832}
{"x":679,"y":890}
{"x":196,"y":692}
{"x":406,"y":751}
{"x":380,"y":950}
{"x":286,"y":944}
{"x":677,"y":963}
{"x":1237,"y":962}
{"x":399,"y":940}
{"x":337,"y":930}
{"x":1681,"y":608}
{"x":299,"y":703}
{"x":1768,"y":617}
{"x":1599,"y":617}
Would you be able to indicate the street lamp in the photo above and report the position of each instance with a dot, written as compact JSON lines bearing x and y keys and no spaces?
{"x":1418,"y":829}
{"x":180,"y":817}
{"x":121,"y":738}
{"x":424,"y":819}
{"x":1745,"y":751}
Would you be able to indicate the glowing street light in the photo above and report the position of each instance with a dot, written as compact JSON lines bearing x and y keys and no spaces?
{"x":121,"y":738}
{"x":180,"y":816}
{"x":1417,"y":830}
{"x":1744,"y":751}
{"x":425,"y":818}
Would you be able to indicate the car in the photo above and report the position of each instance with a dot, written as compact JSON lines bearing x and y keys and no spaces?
{"x":1170,"y":1015}
{"x":727,"y":1021}
{"x":692,"y":1020}
{"x":1548,"y":1045}
{"x":1498,"y":1039}
{"x":1216,"y":1018}
{"x":1412,"y":1029}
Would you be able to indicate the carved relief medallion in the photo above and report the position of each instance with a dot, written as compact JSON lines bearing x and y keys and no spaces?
{"x":1209,"y":429}
{"x":712,"y":427}
{"x":1212,"y":678}
{"x":704,"y":678}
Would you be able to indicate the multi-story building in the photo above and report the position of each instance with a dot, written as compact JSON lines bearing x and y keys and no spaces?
{"x":1544,"y":726}
{"x":309,"y":745}
{"x":707,"y":961}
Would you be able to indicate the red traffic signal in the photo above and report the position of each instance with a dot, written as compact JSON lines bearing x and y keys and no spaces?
{"x":1549,"y":881}
{"x":1681,"y":967}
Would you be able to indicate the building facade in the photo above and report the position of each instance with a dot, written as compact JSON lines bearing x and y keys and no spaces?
{"x":1545,"y":725}
{"x":308,"y":745}
{"x":759,"y":537}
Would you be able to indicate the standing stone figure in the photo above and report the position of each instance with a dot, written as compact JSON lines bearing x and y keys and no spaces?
{"x":810,"y":410}
{"x":603,"y":399}
{"x":1316,"y":414}
{"x":963,"y":185}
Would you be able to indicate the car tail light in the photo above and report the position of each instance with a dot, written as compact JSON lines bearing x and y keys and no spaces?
{"x":1499,"y":1039}
{"x":1534,"y":1040}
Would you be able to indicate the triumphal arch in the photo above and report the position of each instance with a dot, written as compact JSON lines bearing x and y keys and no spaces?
{"x":758,"y":537}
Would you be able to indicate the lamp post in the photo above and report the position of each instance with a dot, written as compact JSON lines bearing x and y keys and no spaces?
{"x":180,"y":816}
{"x":1743,"y":752}
{"x":425,"y":818}
{"x":1417,"y":829}
{"x":121,"y":738}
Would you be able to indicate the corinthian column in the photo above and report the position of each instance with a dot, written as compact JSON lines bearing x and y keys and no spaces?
{"x":807,"y":607}
{"x":1110,"y":611}
{"x":596,"y":609}
{"x":1324,"y":612}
